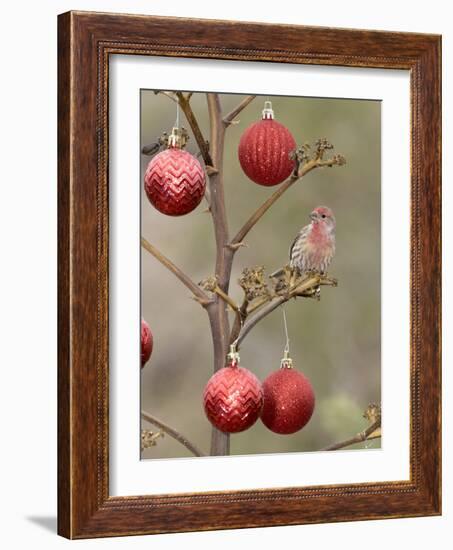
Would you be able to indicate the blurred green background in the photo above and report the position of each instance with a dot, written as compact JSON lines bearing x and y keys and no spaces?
{"x":335,"y":342}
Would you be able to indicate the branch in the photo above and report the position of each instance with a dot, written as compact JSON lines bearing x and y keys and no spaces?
{"x":239,"y":237}
{"x":308,"y":284}
{"x":366,"y":435}
{"x":184,"y":103}
{"x":229,"y":118}
{"x":226,"y":298}
{"x":310,"y":165}
{"x":200,"y":296}
{"x":149,"y":438}
{"x":254,"y":284}
{"x":211,"y":285}
{"x":216,"y":187}
{"x":172,"y":432}
{"x":218,"y":315}
{"x":374,"y":431}
{"x":241,"y":315}
{"x":170,"y":95}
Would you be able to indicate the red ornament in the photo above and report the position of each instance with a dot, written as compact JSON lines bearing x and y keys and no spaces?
{"x":233,"y":398}
{"x":175,"y":180}
{"x":264,"y":150}
{"x":289,"y":400}
{"x":146,"y":343}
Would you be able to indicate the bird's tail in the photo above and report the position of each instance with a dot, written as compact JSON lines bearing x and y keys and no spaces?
{"x":279,"y":273}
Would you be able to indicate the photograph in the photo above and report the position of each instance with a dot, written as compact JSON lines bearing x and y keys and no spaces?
{"x":260,"y":327}
{"x":225,"y":275}
{"x":249,"y":273}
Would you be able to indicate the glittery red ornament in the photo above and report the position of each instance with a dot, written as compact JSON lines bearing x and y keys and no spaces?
{"x":233,"y":398}
{"x":264,"y":150}
{"x":289,"y":400}
{"x":175,"y":182}
{"x":146,"y":343}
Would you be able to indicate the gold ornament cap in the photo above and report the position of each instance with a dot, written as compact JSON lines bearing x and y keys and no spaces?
{"x":178,"y":138}
{"x":286,"y":362}
{"x":268,"y":112}
{"x":233,"y":357}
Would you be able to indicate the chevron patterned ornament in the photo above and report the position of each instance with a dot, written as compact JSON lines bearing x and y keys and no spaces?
{"x":233,"y":398}
{"x":175,"y":182}
{"x":264,"y":150}
{"x":289,"y":399}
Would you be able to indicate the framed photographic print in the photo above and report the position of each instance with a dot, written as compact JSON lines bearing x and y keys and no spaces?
{"x":249,"y":275}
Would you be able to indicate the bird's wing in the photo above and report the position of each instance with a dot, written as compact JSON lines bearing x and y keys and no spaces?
{"x":296,"y":238}
{"x":302,"y":233}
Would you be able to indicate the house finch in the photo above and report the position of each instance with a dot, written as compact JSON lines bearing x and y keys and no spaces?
{"x":314,"y":246}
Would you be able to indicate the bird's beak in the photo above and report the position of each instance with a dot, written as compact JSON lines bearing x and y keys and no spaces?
{"x":313,"y":216}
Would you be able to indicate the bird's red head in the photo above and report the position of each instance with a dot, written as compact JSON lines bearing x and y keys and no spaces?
{"x":324,"y":215}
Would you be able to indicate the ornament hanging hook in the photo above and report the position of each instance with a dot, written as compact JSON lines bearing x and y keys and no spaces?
{"x":286,"y":362}
{"x":286,"y":350}
{"x":177,"y":114}
{"x":233,"y":355}
{"x":179,"y":136}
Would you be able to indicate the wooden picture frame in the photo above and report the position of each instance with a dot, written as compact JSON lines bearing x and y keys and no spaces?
{"x":85,"y":41}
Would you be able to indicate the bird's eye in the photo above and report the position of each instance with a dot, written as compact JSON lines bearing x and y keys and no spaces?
{"x":323,"y":215}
